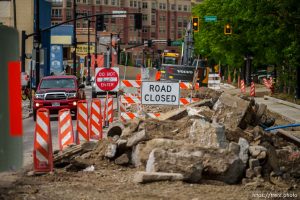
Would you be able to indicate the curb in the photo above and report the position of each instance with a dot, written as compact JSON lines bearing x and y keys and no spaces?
{"x":282,"y":102}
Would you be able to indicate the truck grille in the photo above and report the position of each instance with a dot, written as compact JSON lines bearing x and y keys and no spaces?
{"x":55,"y":96}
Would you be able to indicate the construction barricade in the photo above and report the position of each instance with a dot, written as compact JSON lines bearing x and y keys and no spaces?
{"x":96,"y":120}
{"x":82,"y":122}
{"x":243,"y":89}
{"x":42,"y":153}
{"x":65,"y":129}
{"x":214,"y":81}
{"x":108,"y":110}
{"x":252,"y":89}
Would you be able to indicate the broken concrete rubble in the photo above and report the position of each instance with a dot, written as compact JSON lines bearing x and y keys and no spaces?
{"x":205,"y":134}
{"x":197,"y":142}
{"x":148,"y":177}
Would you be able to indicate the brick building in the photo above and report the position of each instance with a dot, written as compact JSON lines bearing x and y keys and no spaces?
{"x":162,"y":19}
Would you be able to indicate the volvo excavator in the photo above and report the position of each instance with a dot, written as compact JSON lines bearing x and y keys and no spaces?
{"x":183,"y":69}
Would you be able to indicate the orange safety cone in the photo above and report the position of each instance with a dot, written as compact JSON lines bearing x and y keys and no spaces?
{"x":252,"y":89}
{"x":243,"y":89}
{"x":158,"y":75}
{"x":96,"y":122}
{"x":42,"y":152}
{"x":65,"y":129}
{"x":82,"y":122}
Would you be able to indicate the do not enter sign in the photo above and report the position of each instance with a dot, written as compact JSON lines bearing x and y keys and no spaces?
{"x":107,"y":79}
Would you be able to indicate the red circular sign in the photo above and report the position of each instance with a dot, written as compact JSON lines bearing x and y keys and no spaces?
{"x":107,"y":79}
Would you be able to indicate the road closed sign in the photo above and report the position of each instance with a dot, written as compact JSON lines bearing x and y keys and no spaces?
{"x":107,"y":79}
{"x":160,"y":93}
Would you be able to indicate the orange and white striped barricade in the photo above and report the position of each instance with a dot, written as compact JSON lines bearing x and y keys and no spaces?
{"x":214,"y":81}
{"x":185,"y":85}
{"x":82,"y":122}
{"x":252,"y":89}
{"x":125,"y":116}
{"x":42,"y":152}
{"x":186,"y":101}
{"x":153,"y":115}
{"x":266,"y":83}
{"x":243,"y":89}
{"x":108,"y":110}
{"x":130,"y":99}
{"x":65,"y":129}
{"x":96,"y":120}
{"x":131,"y":83}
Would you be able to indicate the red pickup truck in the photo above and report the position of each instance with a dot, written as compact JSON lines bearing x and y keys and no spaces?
{"x":58,"y":92}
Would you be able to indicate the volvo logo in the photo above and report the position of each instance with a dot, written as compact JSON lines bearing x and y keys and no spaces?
{"x":185,"y":72}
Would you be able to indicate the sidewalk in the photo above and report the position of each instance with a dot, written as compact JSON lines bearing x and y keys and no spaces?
{"x":287,"y":110}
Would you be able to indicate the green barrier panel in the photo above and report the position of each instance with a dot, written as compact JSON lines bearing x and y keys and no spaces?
{"x":11,"y":156}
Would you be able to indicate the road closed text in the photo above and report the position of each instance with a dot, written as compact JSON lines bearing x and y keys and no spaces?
{"x":160,"y":93}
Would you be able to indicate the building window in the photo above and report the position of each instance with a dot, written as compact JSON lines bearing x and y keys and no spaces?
{"x":185,"y":23}
{"x":179,"y":7}
{"x":131,"y":3}
{"x":153,"y":6}
{"x":179,"y":35}
{"x":145,"y":5}
{"x":160,"y":6}
{"x":134,"y":4}
{"x":145,"y":17}
{"x":145,"y":30}
{"x":164,"y":6}
{"x":113,"y":20}
{"x":78,"y":25}
{"x":84,"y":1}
{"x":78,"y":1}
{"x":173,"y":7}
{"x":113,"y":2}
{"x":185,"y":8}
{"x":98,"y":1}
{"x":56,"y":13}
{"x":106,"y":2}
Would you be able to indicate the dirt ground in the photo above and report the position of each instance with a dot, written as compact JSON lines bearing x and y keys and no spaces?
{"x":110,"y":181}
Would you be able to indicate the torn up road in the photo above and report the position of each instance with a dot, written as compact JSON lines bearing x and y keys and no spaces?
{"x":213,"y":149}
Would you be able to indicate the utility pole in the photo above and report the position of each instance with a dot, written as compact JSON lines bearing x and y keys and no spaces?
{"x":37,"y":42}
{"x":96,"y":48}
{"x":74,"y":37}
{"x":89,"y":55}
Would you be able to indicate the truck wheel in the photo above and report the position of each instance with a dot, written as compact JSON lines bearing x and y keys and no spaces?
{"x":34,"y":115}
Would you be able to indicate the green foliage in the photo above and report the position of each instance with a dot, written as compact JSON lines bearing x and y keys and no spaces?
{"x":265,"y":29}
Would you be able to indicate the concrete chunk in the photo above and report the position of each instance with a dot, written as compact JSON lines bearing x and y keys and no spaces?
{"x":136,"y":138}
{"x":244,"y":148}
{"x":147,"y":177}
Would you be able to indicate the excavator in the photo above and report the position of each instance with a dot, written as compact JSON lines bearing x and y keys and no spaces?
{"x":175,"y":68}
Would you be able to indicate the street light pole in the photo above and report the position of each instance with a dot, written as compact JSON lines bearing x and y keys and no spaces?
{"x":74,"y":37}
{"x":37,"y":38}
{"x":89,"y":55}
{"x":96,"y":47}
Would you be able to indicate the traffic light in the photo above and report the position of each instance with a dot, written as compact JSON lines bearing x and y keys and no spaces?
{"x":149,"y":43}
{"x":138,"y":21}
{"x":100,"y":23}
{"x":195,"y":24}
{"x":169,"y":42}
{"x":227,"y":29}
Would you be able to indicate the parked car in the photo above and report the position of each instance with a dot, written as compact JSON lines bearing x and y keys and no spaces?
{"x":260,"y":75}
{"x":58,"y":92}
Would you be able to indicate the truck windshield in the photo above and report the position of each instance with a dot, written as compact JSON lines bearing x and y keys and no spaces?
{"x":169,"y":60}
{"x":57,"y":83}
